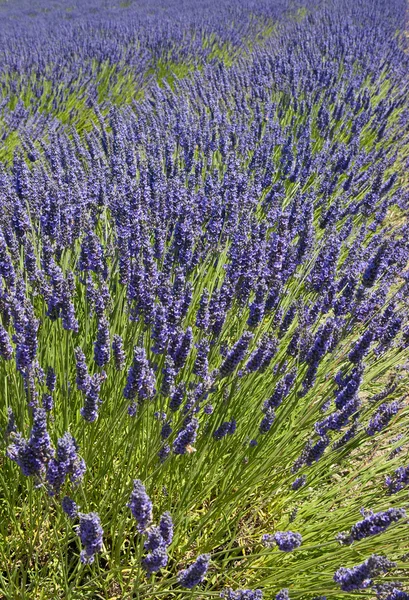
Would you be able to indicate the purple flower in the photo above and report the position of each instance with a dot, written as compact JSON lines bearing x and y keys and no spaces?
{"x":168,"y":378}
{"x":102,"y":347}
{"x":90,"y":533}
{"x":186,"y":437}
{"x":67,"y":462}
{"x":361,"y":347}
{"x":155,"y":560}
{"x":154,"y":539}
{"x":69,"y":507}
{"x":299,"y":482}
{"x":398,"y":480}
{"x":360,"y":576}
{"x":372,"y":525}
{"x":202,"y":315}
{"x":226,"y":428}
{"x":132,"y":409}
{"x":267,"y":421}
{"x":236,"y":355}
{"x":193,"y":575}
{"x":141,"y":378}
{"x":164,"y":453}
{"x":201,"y":366}
{"x":282,"y":595}
{"x":83,"y":378}
{"x":177,"y":397}
{"x":183,"y":349}
{"x":141,"y":506}
{"x":166,"y":528}
{"x":397,"y":594}
{"x":382,"y":417}
{"x":32,"y":455}
{"x":51,"y":379}
{"x":166,"y":431}
{"x":6,"y":349}
{"x":287,"y":540}
{"x":268,"y":540}
{"x":118,"y":352}
{"x":47,"y":402}
{"x":89,"y":412}
{"x":11,"y":422}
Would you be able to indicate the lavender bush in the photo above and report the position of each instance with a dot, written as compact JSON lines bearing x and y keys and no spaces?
{"x":204,"y":329}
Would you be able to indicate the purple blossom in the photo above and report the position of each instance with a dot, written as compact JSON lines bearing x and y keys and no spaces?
{"x":47,"y":402}
{"x":66,"y":462}
{"x":382,"y":417}
{"x":166,"y":528}
{"x":32,"y":455}
{"x":177,"y":397}
{"x":141,"y":379}
{"x":90,"y":533}
{"x":102,"y":346}
{"x":6,"y":349}
{"x":154,"y":539}
{"x":267,"y":421}
{"x":51,"y":379}
{"x":360,"y":576}
{"x":155,"y":560}
{"x":83,"y":378}
{"x":168,"y":377}
{"x":89,"y":411}
{"x":372,"y":525}
{"x":141,"y":506}
{"x":399,"y":480}
{"x":118,"y":352}
{"x":186,"y":437}
{"x":164,"y":453}
{"x":287,"y":541}
{"x":299,"y":482}
{"x":195,"y":574}
{"x":226,"y":428}
{"x":236,"y":354}
{"x":166,"y":431}
{"x":69,"y":507}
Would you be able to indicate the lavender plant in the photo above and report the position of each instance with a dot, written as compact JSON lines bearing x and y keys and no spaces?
{"x":204,"y":332}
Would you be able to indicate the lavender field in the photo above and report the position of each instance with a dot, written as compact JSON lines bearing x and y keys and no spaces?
{"x":204,"y":300}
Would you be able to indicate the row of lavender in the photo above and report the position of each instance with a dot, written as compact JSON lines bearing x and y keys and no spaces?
{"x":71,"y":57}
{"x":207,"y":294}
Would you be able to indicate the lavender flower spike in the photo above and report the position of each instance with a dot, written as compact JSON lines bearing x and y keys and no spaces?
{"x":193,"y":575}
{"x":141,"y":506}
{"x":90,"y":533}
{"x":372,"y":525}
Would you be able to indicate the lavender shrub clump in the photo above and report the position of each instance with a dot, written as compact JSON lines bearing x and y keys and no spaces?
{"x":204,"y":250}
